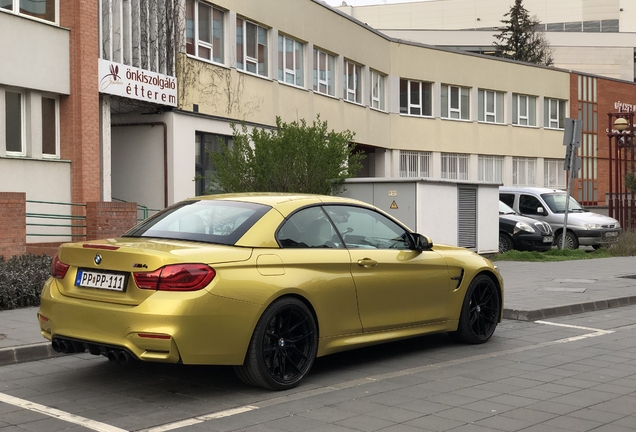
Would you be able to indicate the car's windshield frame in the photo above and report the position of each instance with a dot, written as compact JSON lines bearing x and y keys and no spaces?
{"x":574,"y":205}
{"x":167,"y":224}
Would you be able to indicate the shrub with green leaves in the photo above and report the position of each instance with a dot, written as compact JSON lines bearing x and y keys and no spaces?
{"x":22,"y":279}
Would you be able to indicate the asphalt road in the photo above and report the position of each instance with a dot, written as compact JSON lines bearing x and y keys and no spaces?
{"x":573,"y":373}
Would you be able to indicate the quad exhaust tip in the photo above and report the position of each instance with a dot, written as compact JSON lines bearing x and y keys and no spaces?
{"x":114,"y":355}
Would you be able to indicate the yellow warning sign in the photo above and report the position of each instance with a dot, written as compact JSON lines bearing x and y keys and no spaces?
{"x":393,"y":206}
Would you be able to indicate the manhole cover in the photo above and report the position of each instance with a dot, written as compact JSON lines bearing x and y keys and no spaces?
{"x":575,"y":280}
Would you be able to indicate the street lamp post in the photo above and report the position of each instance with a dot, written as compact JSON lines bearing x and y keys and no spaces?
{"x":621,"y":133}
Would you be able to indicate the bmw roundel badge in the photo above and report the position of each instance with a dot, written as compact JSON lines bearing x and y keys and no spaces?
{"x":98,"y":259}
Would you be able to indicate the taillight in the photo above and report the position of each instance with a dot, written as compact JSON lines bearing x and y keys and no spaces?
{"x":58,"y":268}
{"x":176,"y":277}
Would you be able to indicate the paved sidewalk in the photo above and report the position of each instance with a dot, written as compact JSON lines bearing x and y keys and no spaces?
{"x":533,"y":291}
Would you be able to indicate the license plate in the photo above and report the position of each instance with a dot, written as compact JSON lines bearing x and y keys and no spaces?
{"x":548,"y":239}
{"x":101,"y":280}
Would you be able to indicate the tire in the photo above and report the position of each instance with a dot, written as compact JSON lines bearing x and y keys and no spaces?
{"x":571,"y":241}
{"x":505,"y":243}
{"x":283,"y":346}
{"x":480,"y":312}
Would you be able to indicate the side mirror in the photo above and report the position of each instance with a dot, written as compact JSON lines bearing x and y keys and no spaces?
{"x":420,"y":242}
{"x":541,"y":211}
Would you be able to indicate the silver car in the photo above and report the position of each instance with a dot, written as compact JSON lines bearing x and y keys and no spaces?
{"x":584,"y":227}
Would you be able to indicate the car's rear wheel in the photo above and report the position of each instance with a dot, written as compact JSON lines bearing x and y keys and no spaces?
{"x":283,"y":346}
{"x":480,"y":312}
{"x":571,"y":241}
{"x":505,"y":243}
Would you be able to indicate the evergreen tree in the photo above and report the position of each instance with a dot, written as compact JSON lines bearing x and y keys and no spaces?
{"x":520,"y":38}
{"x":293,"y":157}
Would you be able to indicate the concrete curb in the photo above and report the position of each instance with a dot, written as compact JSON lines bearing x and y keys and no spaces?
{"x":533,"y":315}
{"x":27,"y":353}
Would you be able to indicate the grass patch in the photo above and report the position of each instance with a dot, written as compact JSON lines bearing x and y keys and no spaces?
{"x":626,"y":246}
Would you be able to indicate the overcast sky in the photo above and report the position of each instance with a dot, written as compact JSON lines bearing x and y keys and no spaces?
{"x":366,"y":2}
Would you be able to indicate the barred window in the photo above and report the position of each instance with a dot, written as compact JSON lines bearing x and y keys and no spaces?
{"x":491,"y":168}
{"x":523,"y":171}
{"x":553,"y":173}
{"x":455,"y":166}
{"x":415,"y":164}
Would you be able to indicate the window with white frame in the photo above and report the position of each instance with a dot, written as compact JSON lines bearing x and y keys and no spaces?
{"x":204,"y":31}
{"x":554,"y":113}
{"x":416,"y":98}
{"x":42,"y":9}
{"x":524,"y":110}
{"x":290,"y":60}
{"x":553,"y":173}
{"x":415,"y":164}
{"x":455,"y":102}
{"x":455,"y":166}
{"x":50,"y":132}
{"x":352,"y":81}
{"x":490,"y":168}
{"x":251,"y":47}
{"x":490,"y":106}
{"x":377,"y":90}
{"x":14,"y":122}
{"x":324,"y":70}
{"x":523,"y":171}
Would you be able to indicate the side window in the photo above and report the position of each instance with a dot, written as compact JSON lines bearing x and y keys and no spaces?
{"x":508,"y":199}
{"x":529,"y":204}
{"x":308,"y":228}
{"x":362,"y":228}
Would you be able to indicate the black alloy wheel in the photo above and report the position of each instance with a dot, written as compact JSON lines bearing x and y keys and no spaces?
{"x":480,"y":312}
{"x":505,"y":243}
{"x":283,"y":346}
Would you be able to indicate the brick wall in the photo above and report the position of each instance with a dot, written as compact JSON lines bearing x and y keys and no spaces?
{"x":109,"y":219}
{"x":12,"y":224}
{"x":79,"y":112}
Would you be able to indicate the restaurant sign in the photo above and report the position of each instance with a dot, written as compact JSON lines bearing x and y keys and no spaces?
{"x":134,"y":83}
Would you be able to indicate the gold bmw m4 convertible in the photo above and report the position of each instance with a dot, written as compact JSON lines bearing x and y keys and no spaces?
{"x":266,"y":283}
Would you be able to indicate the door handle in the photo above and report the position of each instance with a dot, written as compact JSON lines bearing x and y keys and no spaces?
{"x":367,"y":262}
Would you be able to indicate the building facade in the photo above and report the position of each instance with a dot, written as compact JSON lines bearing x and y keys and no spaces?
{"x":144,"y":89}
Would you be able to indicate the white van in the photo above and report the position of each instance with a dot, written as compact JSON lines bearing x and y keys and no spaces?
{"x":584,"y":227}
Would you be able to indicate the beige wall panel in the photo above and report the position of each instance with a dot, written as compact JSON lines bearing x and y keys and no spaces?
{"x":436,"y":65}
{"x":34,"y":55}
{"x":411,"y":133}
{"x":299,"y":19}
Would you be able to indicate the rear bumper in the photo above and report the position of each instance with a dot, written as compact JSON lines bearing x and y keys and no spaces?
{"x":193,"y":327}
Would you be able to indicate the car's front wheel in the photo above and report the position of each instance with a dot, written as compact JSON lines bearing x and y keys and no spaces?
{"x":283,"y":346}
{"x":480,"y":312}
{"x":571,"y":241}
{"x":505,"y":243}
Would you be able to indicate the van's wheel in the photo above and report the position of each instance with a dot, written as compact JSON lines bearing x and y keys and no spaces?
{"x":282,"y":348}
{"x":480,"y":312}
{"x":571,"y":241}
{"x":505,"y":243}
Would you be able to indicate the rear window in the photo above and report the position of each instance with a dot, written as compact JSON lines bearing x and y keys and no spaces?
{"x":220,"y":222}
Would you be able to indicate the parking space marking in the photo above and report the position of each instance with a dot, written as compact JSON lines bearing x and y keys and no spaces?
{"x":200,"y":419}
{"x":52,"y":412}
{"x":595,"y":332}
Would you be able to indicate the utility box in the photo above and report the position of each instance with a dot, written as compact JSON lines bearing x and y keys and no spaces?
{"x":456,"y":213}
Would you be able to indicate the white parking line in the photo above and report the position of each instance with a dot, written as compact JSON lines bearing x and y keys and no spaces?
{"x":200,"y":419}
{"x":52,"y":412}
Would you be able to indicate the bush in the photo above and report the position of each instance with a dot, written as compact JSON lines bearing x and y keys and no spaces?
{"x":22,"y":279}
{"x":625,"y":246}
